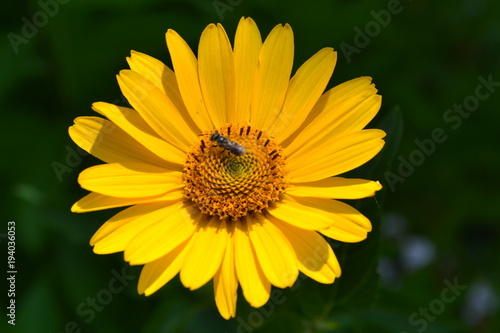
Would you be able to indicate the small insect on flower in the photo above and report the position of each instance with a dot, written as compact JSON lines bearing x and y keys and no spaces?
{"x":225,"y":143}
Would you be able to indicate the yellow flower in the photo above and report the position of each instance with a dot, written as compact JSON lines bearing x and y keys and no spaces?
{"x":230,"y":167}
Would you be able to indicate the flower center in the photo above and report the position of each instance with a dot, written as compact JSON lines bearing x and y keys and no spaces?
{"x":234,"y":171}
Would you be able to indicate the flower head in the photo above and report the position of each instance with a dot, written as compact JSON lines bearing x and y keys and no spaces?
{"x":230,"y":168}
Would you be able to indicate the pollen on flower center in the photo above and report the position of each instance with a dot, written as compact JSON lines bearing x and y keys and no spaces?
{"x":241,"y":172}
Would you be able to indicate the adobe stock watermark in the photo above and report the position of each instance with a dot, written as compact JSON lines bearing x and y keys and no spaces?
{"x":31,"y":27}
{"x":454,"y":117}
{"x":223,"y":6}
{"x":89,"y":308}
{"x":420,"y":319}
{"x":73,"y":159}
{"x":363,"y":37}
{"x":74,"y":156}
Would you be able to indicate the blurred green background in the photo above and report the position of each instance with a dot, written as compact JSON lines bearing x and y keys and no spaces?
{"x":436,"y":223}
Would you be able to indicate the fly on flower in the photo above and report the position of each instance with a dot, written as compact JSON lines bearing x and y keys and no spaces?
{"x":253,"y":220}
{"x":225,"y":143}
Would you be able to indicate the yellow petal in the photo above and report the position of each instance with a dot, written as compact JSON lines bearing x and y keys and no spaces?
{"x":114,"y":235}
{"x":95,"y":201}
{"x":256,"y":288}
{"x":156,"y":109}
{"x":346,"y":108}
{"x":349,"y":225}
{"x":274,"y":252}
{"x":129,"y":180}
{"x":315,"y":257}
{"x":305,"y":88}
{"x":186,"y":71}
{"x":346,"y":234}
{"x":272,"y":76}
{"x":300,"y":213}
{"x":169,"y":229}
{"x":133,"y":124}
{"x":216,"y":72}
{"x":343,"y":221}
{"x":226,"y":281}
{"x":109,"y":143}
{"x":156,"y":72}
{"x":247,"y":44}
{"x":156,"y":274}
{"x":163,"y":78}
{"x":335,"y":156}
{"x":205,"y":256}
{"x":335,"y":188}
